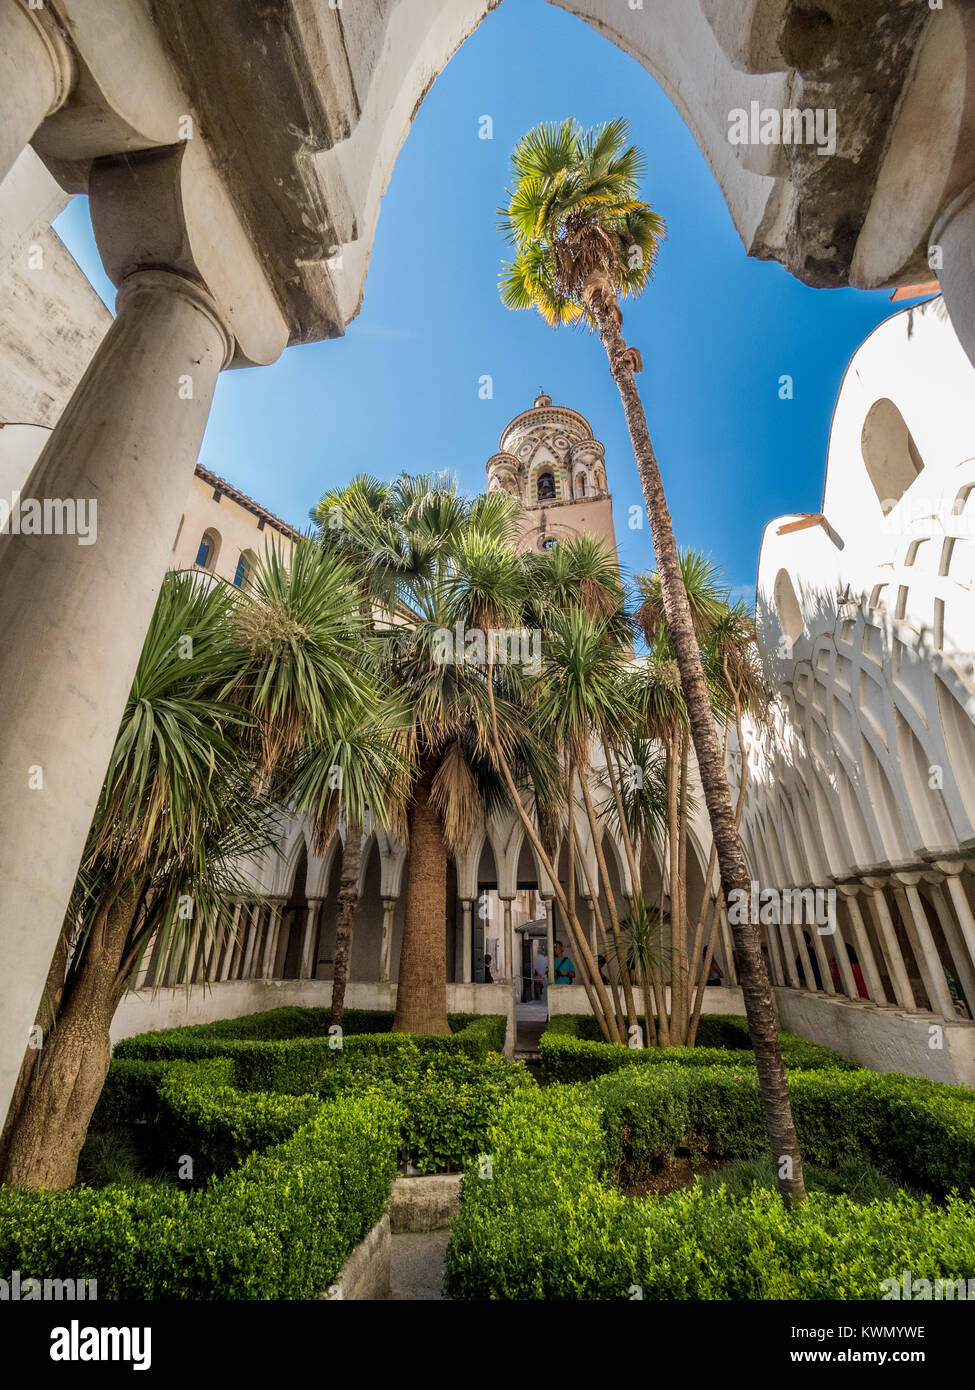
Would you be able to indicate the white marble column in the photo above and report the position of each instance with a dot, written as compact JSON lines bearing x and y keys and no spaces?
{"x":862,"y":946}
{"x":271,"y":942}
{"x":731,"y":978}
{"x":956,"y":944}
{"x":549,"y":936}
{"x":922,"y":941}
{"x":896,"y":968}
{"x":843,"y":959}
{"x":306,"y":970}
{"x":787,"y":947}
{"x":776,"y":969}
{"x":809,"y":979}
{"x":230,"y":950}
{"x":510,"y":969}
{"x":593,"y":931}
{"x":963,"y":909}
{"x":466,"y":939}
{"x":35,"y":75}
{"x":74,"y":616}
{"x":825,"y":974}
{"x":386,"y":946}
{"x":253,"y":935}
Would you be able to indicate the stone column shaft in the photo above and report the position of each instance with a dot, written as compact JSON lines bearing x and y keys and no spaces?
{"x":74,"y":616}
{"x":386,"y":947}
{"x":956,"y":945}
{"x":252,"y":938}
{"x":929,"y":961}
{"x":271,"y":943}
{"x":510,"y":972}
{"x":963,"y":911}
{"x":843,"y":960}
{"x":825,"y":974}
{"x":306,"y":970}
{"x":896,"y":968}
{"x":230,"y":950}
{"x":809,"y":979}
{"x":467,"y":939}
{"x":35,"y":75}
{"x":550,"y":938}
{"x":863,"y":948}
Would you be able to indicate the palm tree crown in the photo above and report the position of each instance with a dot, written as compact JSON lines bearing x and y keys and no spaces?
{"x":574,"y":211}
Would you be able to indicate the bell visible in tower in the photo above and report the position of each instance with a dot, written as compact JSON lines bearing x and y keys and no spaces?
{"x":546,"y":487}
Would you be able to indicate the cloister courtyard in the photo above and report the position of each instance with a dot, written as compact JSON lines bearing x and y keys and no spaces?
{"x":470,"y":832}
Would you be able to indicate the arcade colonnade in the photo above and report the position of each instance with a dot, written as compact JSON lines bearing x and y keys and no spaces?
{"x":235,"y":217}
{"x":864,"y":784}
{"x":495,"y":888}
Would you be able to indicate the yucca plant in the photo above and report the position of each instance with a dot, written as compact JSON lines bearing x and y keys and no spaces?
{"x":178,"y":811}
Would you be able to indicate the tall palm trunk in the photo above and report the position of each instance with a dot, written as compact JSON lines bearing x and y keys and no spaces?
{"x":421,"y":996}
{"x":52,"y":1123}
{"x":760,"y":1009}
{"x":345,"y":921}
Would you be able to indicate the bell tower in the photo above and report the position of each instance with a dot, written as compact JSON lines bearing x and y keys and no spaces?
{"x":549,"y":459}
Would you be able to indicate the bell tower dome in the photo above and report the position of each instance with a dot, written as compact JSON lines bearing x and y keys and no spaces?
{"x":549,"y":459}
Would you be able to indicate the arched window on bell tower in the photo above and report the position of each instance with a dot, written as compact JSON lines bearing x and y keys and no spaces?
{"x":546,"y":486}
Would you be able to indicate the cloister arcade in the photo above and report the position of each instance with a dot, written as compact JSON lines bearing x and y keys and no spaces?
{"x":222,"y":261}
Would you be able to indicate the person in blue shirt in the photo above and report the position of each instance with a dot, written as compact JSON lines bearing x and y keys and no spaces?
{"x":565,"y":971}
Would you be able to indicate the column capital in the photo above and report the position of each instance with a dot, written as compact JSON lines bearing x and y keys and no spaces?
{"x":57,"y":48}
{"x":142,"y":283}
{"x":389,"y":903}
{"x":949,"y":868}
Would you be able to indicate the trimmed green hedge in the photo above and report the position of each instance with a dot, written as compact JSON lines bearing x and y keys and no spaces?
{"x":449,"y":1087}
{"x":281,"y":1225}
{"x":547,"y":1223}
{"x":570,"y":1053}
{"x":919,"y":1132}
{"x":290,"y":1049}
{"x":294,"y":1145}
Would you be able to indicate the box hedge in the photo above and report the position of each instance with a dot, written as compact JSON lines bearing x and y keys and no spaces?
{"x":548,"y":1224}
{"x":569,"y":1052}
{"x":291,"y":1049}
{"x":279,"y":1225}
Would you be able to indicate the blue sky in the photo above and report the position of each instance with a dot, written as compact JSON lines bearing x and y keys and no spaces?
{"x":400,"y":390}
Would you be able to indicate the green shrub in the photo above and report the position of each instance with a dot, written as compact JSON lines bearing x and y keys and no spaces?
{"x":547,"y":1225}
{"x":291,"y":1054}
{"x":447,"y":1100}
{"x":280,"y":1225}
{"x":569,"y":1053}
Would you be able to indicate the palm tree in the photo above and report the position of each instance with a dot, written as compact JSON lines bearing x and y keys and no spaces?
{"x":583,"y":240}
{"x":410,"y":542}
{"x":176,"y":813}
{"x":230,"y":685}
